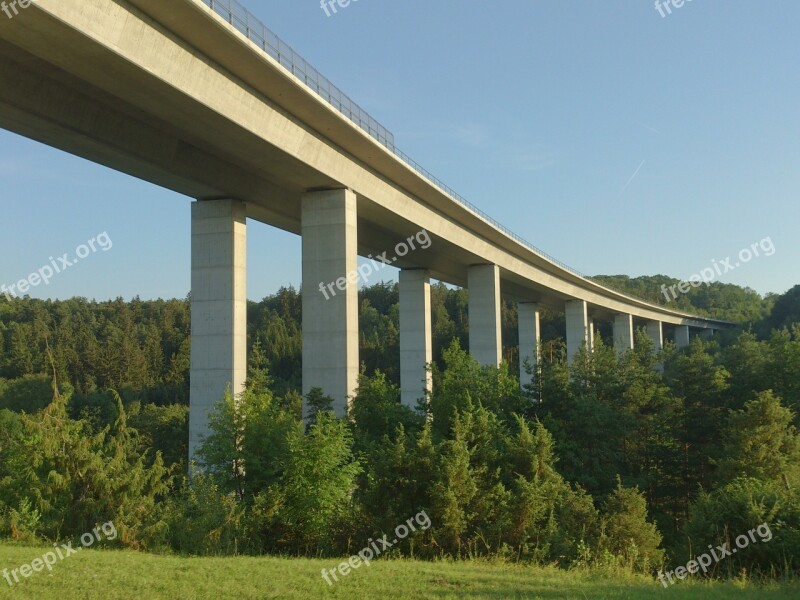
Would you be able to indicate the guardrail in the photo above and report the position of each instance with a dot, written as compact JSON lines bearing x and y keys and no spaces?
{"x":252,"y":28}
{"x":258,"y":33}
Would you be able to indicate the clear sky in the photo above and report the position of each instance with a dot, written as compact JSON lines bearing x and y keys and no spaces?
{"x":615,"y":139}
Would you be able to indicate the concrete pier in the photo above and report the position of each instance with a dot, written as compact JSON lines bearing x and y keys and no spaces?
{"x":655,"y":331}
{"x":623,"y":333}
{"x":529,"y":339}
{"x":682,"y":336}
{"x":577,"y":327}
{"x":330,"y":295}
{"x":484,"y":314}
{"x":416,"y":346}
{"x":219,"y":309}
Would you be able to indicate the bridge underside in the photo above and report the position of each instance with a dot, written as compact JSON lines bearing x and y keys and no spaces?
{"x":168,"y":93}
{"x":41,"y":102}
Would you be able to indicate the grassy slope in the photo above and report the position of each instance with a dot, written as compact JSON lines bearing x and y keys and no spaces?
{"x":105,"y":575}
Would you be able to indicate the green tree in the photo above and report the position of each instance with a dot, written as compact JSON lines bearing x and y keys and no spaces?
{"x":626,"y":531}
{"x":76,"y":479}
{"x":314,"y":494}
{"x":760,"y":442}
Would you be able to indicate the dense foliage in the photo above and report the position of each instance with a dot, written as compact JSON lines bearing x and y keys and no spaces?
{"x":628,"y":461}
{"x":724,"y":301}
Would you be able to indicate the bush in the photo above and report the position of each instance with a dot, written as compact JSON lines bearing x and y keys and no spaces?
{"x":200,"y":520}
{"x":724,"y":514}
{"x":626,"y":533}
{"x":21,"y":524}
{"x":74,"y":478}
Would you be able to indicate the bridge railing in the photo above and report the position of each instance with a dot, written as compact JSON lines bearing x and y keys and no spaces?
{"x":252,"y":28}
{"x":455,"y":195}
{"x":258,"y":33}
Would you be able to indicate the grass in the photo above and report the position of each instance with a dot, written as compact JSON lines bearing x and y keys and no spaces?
{"x":112,"y":575}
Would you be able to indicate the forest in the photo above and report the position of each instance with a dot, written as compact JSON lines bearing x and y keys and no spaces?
{"x":640,"y":461}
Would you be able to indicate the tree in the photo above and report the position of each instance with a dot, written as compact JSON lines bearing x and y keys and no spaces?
{"x":75,"y":478}
{"x":314,"y":494}
{"x":464,"y":382}
{"x":627,"y":533}
{"x":701,"y":383}
{"x":376,"y":411}
{"x":760,"y":442}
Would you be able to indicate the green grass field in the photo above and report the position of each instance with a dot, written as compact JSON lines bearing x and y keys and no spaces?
{"x":107,"y":575}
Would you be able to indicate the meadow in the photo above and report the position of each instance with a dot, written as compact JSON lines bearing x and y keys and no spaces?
{"x":118,"y":575}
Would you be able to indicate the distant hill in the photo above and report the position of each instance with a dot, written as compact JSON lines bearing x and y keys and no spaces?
{"x":785,"y":312}
{"x":718,"y":300}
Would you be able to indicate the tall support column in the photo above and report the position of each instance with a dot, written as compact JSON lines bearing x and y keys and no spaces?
{"x":577,"y":327}
{"x":655,"y":331}
{"x":707,"y":334}
{"x":484,"y":314}
{"x":330,"y":295}
{"x":529,"y":338}
{"x":681,"y":336}
{"x":219,"y":310}
{"x":416,"y":346}
{"x":623,"y":333}
{"x":591,"y":331}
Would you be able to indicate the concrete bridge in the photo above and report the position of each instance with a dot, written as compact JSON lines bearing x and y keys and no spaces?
{"x":199,"y":97}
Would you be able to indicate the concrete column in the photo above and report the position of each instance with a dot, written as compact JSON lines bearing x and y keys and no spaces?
{"x":529,"y":338}
{"x":681,"y":336}
{"x":623,"y":333}
{"x":655,"y":331}
{"x":219,"y":309}
{"x":707,"y":334}
{"x":577,"y":327}
{"x":330,"y":295}
{"x":591,"y":332}
{"x":416,"y":346}
{"x":484,"y":314}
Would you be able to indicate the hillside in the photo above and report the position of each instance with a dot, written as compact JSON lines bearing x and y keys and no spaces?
{"x":724,"y":301}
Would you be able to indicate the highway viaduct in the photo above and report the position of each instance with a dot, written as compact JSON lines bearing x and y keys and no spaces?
{"x":199,"y":97}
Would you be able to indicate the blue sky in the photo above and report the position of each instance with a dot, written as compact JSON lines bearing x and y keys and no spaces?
{"x":614,"y":139}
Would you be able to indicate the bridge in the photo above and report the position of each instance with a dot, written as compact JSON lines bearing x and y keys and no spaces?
{"x":201,"y":98}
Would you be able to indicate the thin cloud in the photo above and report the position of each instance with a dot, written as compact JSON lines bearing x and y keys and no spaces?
{"x":635,"y":173}
{"x":653,"y":129}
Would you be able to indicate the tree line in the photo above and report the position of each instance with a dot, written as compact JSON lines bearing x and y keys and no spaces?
{"x":630,"y":461}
